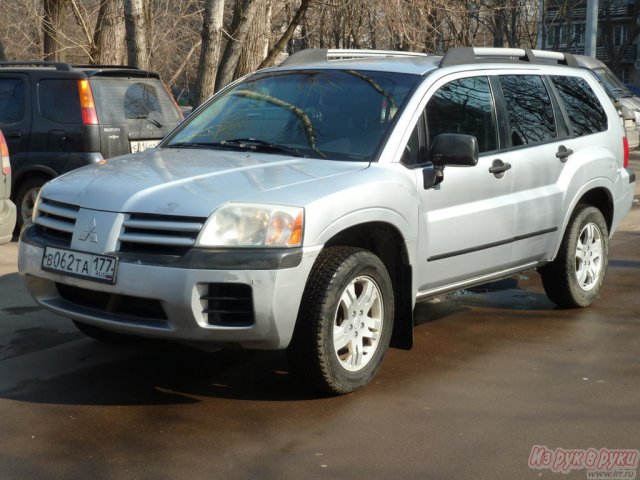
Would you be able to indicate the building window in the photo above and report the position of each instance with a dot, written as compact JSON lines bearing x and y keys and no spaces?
{"x":619,"y":35}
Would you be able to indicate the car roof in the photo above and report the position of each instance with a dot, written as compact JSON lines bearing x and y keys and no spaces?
{"x":374,"y":60}
{"x":420,"y":63}
{"x":62,"y":67}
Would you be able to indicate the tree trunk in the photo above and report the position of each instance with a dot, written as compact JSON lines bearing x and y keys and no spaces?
{"x":211,"y":39}
{"x":280,"y":45}
{"x":3,"y":56}
{"x":256,"y":46}
{"x":136,"y":33}
{"x":52,"y":27}
{"x":109,"y":34}
{"x":243,"y":14}
{"x":498,"y":25}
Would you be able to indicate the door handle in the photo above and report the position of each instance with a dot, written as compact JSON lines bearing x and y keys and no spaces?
{"x":13,"y":134}
{"x":563,"y":153}
{"x":498,"y":167}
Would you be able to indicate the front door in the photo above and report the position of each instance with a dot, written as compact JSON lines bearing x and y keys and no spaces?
{"x":466,"y":220}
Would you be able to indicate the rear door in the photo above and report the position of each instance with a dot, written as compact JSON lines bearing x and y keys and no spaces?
{"x":538,"y":147}
{"x":134,"y":112}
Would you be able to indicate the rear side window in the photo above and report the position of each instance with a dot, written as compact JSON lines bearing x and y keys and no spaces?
{"x":11,"y":100}
{"x":58,"y":100}
{"x":583,"y":107}
{"x":529,"y":109}
{"x":464,"y":106}
{"x":121,"y":100}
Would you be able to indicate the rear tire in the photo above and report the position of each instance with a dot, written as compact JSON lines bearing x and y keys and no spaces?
{"x":575,"y":277}
{"x":345,"y":321}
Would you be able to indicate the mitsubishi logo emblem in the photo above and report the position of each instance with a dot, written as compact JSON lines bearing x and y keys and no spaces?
{"x":90,"y":234}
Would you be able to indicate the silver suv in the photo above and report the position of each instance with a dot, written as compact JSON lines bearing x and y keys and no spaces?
{"x":308,"y":207}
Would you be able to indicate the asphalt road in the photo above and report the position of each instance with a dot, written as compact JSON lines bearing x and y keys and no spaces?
{"x":494,"y":371}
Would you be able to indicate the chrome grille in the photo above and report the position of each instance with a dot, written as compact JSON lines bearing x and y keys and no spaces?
{"x":56,"y":219}
{"x":159,"y":233}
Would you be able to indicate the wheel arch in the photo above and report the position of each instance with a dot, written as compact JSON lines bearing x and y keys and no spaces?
{"x":387,"y":242}
{"x":597,"y":196}
{"x":600,"y":198}
{"x":25,"y":175}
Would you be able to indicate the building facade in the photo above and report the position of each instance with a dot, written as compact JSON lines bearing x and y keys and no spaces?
{"x":618,"y":33}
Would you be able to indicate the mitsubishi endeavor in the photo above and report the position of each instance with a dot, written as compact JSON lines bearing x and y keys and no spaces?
{"x":307,"y":207}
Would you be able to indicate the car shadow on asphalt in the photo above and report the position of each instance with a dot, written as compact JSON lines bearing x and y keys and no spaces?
{"x":157,"y":373}
{"x":160,"y":373}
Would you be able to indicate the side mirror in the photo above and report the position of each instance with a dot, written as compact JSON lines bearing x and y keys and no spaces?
{"x":454,"y":149}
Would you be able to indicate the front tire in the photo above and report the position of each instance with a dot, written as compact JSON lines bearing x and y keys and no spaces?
{"x":575,"y":277}
{"x":345,"y":321}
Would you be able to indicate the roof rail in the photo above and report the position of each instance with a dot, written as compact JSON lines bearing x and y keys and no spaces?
{"x":63,"y":67}
{"x":311,"y":55}
{"x":463,"y":55}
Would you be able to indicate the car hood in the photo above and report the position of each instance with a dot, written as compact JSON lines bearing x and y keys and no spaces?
{"x":187,"y":182}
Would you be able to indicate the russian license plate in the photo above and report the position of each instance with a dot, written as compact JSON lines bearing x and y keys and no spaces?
{"x":141,"y":145}
{"x":91,"y":266}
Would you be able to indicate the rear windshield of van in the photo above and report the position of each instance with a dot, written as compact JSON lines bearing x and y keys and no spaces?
{"x":123,"y":100}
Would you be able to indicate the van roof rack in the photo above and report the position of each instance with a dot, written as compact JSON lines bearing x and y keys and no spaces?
{"x":311,"y":55}
{"x":124,"y":67}
{"x":61,"y":66}
{"x":465,"y":55}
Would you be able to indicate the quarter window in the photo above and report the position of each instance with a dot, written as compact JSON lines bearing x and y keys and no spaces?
{"x":529,"y":109}
{"x":583,"y":107}
{"x":464,"y":106}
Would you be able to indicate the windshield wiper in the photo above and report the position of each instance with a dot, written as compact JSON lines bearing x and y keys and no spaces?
{"x":195,"y":145}
{"x":241,"y":144}
{"x":262,"y":145}
{"x":148,"y":119}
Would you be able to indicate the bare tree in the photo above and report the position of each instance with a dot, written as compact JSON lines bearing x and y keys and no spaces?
{"x":109,"y":34}
{"x":256,"y":45}
{"x":243,"y":14}
{"x":52,"y":25}
{"x":280,"y":45}
{"x":210,"y":51}
{"x":136,"y":33}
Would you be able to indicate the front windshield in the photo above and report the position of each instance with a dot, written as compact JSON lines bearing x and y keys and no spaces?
{"x":612,"y":84}
{"x":328,"y":114}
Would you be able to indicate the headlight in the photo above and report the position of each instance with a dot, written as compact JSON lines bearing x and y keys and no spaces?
{"x":253,"y":225}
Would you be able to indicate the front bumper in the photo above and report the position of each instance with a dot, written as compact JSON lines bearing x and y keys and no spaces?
{"x":171,"y":300}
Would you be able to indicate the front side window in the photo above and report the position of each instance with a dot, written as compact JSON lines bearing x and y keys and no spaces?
{"x":583,"y":107}
{"x":11,"y":100}
{"x":327,"y":114}
{"x":464,"y":106}
{"x":529,"y":109}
